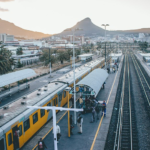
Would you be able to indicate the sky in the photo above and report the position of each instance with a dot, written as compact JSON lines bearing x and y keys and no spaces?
{"x":53,"y":16}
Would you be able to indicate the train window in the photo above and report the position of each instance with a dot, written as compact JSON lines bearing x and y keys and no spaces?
{"x":42,"y":112}
{"x":56,"y":101}
{"x":2,"y":144}
{"x":49,"y":104}
{"x":26,"y":125}
{"x":35,"y":118}
{"x":20,"y":130}
{"x":9,"y":139}
{"x":64,"y":94}
{"x":60,"y":97}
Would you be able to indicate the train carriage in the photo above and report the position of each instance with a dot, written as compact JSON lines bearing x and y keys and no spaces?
{"x":29,"y":121}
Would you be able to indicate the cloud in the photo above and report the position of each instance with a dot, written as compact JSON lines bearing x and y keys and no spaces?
{"x":6,"y":0}
{"x":2,"y":9}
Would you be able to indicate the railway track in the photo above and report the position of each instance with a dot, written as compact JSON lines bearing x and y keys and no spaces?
{"x":144,"y":82}
{"x":125,"y":135}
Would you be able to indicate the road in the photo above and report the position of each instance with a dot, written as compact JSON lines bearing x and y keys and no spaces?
{"x":35,"y":84}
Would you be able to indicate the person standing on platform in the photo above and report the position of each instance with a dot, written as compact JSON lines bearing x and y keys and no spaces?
{"x":93,"y":114}
{"x":41,"y":145}
{"x":72,"y":100}
{"x":58,"y":133}
{"x":80,"y":102}
{"x":117,"y":66}
{"x":71,"y":124}
{"x":79,"y":123}
{"x":80,"y":90}
{"x":104,"y":108}
{"x":97,"y":111}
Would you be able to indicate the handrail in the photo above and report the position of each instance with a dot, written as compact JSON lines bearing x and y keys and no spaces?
{"x":119,"y":124}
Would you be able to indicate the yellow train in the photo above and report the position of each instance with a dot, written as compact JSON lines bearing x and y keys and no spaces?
{"x":29,"y":121}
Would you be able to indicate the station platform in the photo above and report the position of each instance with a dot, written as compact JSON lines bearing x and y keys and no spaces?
{"x":145,"y":66}
{"x":94,"y":134}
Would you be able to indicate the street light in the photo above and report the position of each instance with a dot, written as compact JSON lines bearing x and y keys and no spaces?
{"x":73,"y":30}
{"x":105,"y":25}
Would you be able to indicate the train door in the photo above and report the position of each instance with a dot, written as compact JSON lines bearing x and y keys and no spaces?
{"x":21,"y":137}
{"x":15,"y":137}
{"x":2,"y":144}
{"x":9,"y":140}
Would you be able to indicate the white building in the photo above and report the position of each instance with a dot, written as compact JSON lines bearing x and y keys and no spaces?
{"x":5,"y":37}
{"x":141,"y":35}
{"x":32,"y":42}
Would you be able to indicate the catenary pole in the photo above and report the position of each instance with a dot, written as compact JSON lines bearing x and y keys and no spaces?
{"x":53,"y":108}
{"x":74,"y":80}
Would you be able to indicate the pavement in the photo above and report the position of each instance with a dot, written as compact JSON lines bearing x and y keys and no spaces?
{"x":94,"y":134}
{"x":34,"y":84}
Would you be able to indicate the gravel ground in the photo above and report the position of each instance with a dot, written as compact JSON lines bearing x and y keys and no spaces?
{"x":142,"y":118}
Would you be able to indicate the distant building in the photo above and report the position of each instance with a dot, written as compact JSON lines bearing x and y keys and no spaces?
{"x":32,"y":43}
{"x":5,"y":37}
{"x":141,"y":35}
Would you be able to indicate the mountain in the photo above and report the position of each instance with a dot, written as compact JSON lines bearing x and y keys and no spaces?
{"x":142,"y":30}
{"x":12,"y":29}
{"x":88,"y":29}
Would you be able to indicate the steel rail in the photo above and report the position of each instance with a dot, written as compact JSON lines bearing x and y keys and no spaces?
{"x":141,"y":81}
{"x":130,"y":106}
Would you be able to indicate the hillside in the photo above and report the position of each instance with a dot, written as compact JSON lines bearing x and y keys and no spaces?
{"x":10,"y":28}
{"x":88,"y":28}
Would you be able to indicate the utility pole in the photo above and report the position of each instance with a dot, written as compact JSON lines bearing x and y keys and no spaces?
{"x":50,"y":62}
{"x":105,"y":25}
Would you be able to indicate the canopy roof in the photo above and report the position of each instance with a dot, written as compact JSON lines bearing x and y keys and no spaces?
{"x":94,"y":80}
{"x":9,"y":78}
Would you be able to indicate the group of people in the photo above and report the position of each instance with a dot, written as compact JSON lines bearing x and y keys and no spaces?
{"x":91,"y":104}
{"x":114,"y":68}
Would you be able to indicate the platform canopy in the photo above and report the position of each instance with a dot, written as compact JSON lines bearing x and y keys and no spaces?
{"x":13,"y":77}
{"x":94,"y":80}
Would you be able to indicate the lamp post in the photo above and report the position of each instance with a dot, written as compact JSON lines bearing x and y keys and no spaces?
{"x":105,"y":25}
{"x":53,"y":108}
{"x":73,"y":30}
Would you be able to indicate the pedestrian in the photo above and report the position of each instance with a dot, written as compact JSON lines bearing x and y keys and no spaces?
{"x":41,"y":145}
{"x":71,"y":124}
{"x":16,"y":138}
{"x":93,"y":114}
{"x":58,"y":133}
{"x":79,"y":123}
{"x":104,"y":108}
{"x":80,"y":90}
{"x":72,"y":100}
{"x":80,"y":102}
{"x":117,"y":66}
{"x":97,"y":111}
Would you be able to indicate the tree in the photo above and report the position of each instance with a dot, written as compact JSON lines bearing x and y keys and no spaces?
{"x":19,"y":51}
{"x":6,"y":61}
{"x":143,"y":45}
{"x":19,"y":65}
{"x":45,"y":58}
{"x":77,"y":52}
{"x":62,"y":56}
